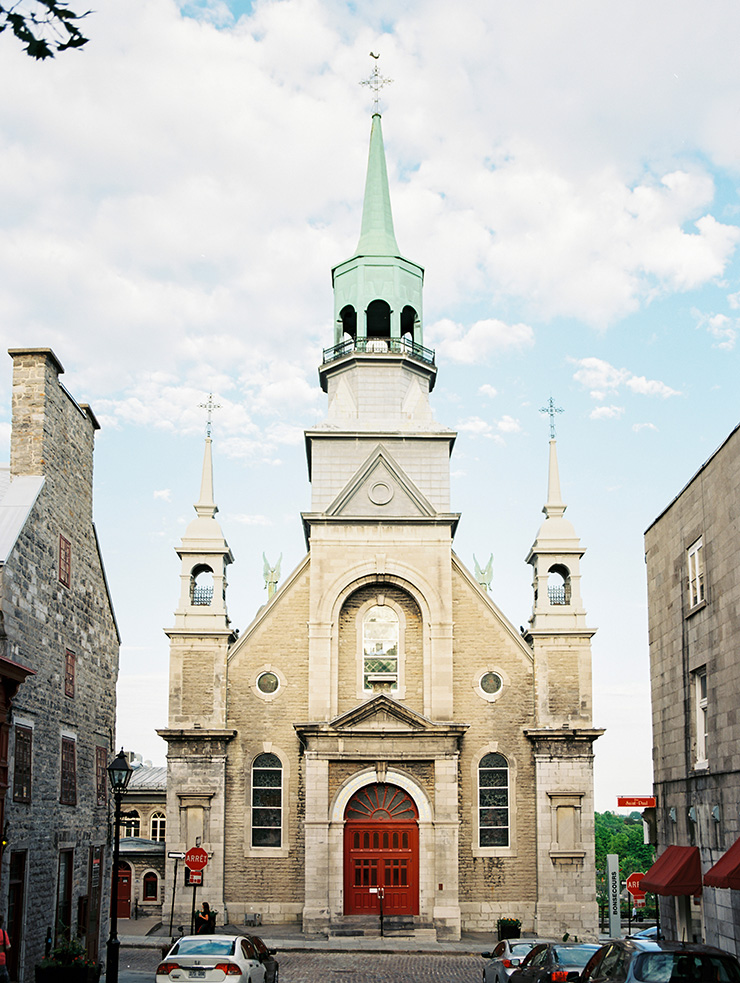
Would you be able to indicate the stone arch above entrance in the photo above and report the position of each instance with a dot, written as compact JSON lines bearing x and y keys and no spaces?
{"x":381,"y":852}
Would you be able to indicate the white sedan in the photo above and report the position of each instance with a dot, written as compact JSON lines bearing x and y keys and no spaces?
{"x":212,"y":959}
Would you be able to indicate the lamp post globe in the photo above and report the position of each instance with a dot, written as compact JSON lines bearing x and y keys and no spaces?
{"x":119,"y":773}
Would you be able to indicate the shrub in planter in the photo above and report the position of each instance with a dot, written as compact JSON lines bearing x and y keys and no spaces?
{"x":68,"y":963}
{"x":508,"y":928}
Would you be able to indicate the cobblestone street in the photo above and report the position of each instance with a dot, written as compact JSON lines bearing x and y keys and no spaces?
{"x":138,"y":965}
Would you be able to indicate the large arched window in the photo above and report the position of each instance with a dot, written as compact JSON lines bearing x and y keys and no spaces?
{"x":348,"y":317}
{"x":157,"y":826}
{"x":408,"y":323}
{"x":132,"y":823}
{"x":493,"y":800}
{"x":558,"y":584}
{"x":380,"y":646}
{"x":267,"y":801}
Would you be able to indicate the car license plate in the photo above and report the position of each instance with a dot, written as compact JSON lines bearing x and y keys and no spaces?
{"x":197,"y":974}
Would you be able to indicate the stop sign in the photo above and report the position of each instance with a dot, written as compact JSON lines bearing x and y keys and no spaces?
{"x":196,"y":858}
{"x":633,"y":885}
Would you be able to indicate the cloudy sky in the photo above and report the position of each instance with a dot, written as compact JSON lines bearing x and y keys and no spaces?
{"x":175,"y":194}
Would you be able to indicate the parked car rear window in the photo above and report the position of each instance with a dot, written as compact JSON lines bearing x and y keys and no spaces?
{"x":204,"y":947}
{"x":686,"y":967}
{"x":574,"y":955}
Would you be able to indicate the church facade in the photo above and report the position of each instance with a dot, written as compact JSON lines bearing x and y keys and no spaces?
{"x":380,"y":737}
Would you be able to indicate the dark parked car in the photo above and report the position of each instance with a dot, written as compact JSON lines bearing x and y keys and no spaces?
{"x":505,"y":958}
{"x":554,"y":962}
{"x":646,"y":961}
{"x":267,"y":958}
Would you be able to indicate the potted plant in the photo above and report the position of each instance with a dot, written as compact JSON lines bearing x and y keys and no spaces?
{"x":68,"y":963}
{"x":508,"y":928}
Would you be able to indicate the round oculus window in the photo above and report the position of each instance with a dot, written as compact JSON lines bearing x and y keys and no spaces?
{"x":380,"y":493}
{"x":268,"y":683}
{"x":490,"y":683}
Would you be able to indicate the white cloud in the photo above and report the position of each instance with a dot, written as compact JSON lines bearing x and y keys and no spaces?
{"x":650,"y":387}
{"x":165,"y":494}
{"x":603,"y":379}
{"x":475,"y":425}
{"x":637,"y":427}
{"x":507,"y":424}
{"x":487,"y":390}
{"x":721,"y":327}
{"x":606,"y":412}
{"x":481,"y":340}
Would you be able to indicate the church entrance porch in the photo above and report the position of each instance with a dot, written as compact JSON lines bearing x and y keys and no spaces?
{"x":381,"y":852}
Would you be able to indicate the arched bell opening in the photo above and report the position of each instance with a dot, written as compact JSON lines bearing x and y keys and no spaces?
{"x":201,"y":585}
{"x":558,"y":584}
{"x":378,"y":317}
{"x":409,"y":324}
{"x":348,"y":319}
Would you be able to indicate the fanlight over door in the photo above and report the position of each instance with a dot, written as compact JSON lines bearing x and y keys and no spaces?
{"x":381,"y":852}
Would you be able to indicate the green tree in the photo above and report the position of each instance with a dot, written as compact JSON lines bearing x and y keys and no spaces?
{"x":43,"y":26}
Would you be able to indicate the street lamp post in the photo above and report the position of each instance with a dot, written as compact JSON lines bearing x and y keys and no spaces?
{"x":119,"y":773}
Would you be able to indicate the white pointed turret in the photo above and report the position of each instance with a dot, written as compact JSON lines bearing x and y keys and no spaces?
{"x":555,"y":556}
{"x":205,"y":554}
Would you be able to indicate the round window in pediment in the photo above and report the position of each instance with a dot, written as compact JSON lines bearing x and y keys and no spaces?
{"x":268,"y":682}
{"x":380,"y":493}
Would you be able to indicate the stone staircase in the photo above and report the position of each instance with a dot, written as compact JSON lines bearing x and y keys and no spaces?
{"x":394,"y":927}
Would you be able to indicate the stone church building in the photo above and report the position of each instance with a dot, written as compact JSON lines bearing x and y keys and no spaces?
{"x":381,"y":733}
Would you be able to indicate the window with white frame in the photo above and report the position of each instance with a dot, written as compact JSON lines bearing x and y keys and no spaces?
{"x":493,"y":801}
{"x":157,"y":826}
{"x":695,"y":556}
{"x":131,"y":825}
{"x":700,"y":701}
{"x":267,"y":801}
{"x":380,"y":631}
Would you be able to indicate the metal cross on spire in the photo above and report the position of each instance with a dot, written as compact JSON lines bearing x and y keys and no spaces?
{"x":210,"y":406}
{"x":376,"y":82}
{"x":551,"y":409}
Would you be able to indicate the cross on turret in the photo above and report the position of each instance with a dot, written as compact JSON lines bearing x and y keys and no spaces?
{"x":551,"y":409}
{"x":376,"y":82}
{"x":210,"y":406}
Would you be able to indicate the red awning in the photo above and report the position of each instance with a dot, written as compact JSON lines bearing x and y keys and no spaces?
{"x":677,"y":871}
{"x":726,"y":872}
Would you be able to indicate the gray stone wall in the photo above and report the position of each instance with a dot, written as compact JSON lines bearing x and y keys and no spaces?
{"x":53,"y":436}
{"x":683,"y":639}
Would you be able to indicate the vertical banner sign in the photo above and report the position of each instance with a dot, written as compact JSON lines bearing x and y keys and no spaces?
{"x":613,"y":887}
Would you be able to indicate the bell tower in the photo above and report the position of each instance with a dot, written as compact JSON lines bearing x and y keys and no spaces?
{"x":563,"y":734}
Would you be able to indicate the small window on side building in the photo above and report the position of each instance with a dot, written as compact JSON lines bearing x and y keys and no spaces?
{"x":65,"y":561}
{"x":101,"y":775}
{"x":68,"y":789}
{"x":70,"y":661}
{"x":23,"y":758}
{"x":695,"y":557}
{"x":700,"y":704}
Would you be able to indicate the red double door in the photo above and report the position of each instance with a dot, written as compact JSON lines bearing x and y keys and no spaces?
{"x":381,"y":852}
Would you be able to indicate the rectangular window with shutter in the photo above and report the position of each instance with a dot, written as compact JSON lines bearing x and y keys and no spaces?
{"x":22,"y":764}
{"x":65,"y":561}
{"x":101,"y":775}
{"x":69,"y":673}
{"x":68,"y":789}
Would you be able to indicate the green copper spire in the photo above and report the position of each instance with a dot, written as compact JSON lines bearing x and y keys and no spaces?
{"x":377,"y":237}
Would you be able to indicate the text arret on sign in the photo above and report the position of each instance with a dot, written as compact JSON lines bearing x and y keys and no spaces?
{"x":196,"y":858}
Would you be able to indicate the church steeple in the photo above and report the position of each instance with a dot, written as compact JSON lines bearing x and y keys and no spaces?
{"x":555,"y":556}
{"x":377,"y":292}
{"x":205,"y":554}
{"x":377,"y":237}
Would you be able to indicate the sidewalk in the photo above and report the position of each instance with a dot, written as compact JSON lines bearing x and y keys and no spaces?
{"x":152,"y":933}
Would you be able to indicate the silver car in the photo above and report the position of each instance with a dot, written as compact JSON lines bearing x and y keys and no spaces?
{"x":211,"y":959}
{"x":505,"y":958}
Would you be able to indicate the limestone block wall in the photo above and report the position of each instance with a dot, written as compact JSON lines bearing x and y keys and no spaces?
{"x":270,"y":881}
{"x":43,"y":619}
{"x":494,"y":882}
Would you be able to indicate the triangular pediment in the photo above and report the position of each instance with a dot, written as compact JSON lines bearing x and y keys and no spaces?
{"x":382,"y":713}
{"x":380,"y":487}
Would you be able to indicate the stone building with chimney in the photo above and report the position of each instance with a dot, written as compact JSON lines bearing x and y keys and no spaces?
{"x":58,"y":634}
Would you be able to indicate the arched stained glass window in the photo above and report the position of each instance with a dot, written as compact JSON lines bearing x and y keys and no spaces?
{"x":380,"y":646}
{"x":267,"y":801}
{"x":493,"y":800}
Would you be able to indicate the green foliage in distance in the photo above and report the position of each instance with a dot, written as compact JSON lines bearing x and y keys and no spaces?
{"x":43,"y":26}
{"x":622,"y":835}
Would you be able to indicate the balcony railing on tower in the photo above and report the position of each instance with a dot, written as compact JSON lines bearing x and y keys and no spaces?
{"x":379,"y":346}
